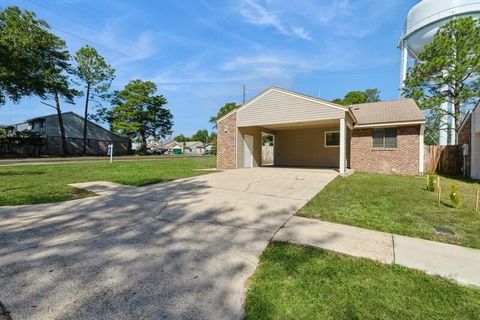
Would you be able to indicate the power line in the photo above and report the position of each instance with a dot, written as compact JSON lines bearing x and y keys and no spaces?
{"x":82,"y":24}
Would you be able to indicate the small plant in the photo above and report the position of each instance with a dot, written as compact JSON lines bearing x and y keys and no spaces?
{"x":432,"y":182}
{"x":454,"y":196}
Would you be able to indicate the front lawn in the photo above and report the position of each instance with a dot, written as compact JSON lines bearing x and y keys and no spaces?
{"x":300,"y":283}
{"x":29,"y":184}
{"x":400,"y":205}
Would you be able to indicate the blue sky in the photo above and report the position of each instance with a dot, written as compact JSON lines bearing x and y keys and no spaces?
{"x":201,"y":52}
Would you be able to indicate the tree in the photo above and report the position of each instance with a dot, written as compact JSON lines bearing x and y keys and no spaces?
{"x":33,"y":61}
{"x":357,"y":97}
{"x":25,"y":42}
{"x":181,"y":138}
{"x":201,"y":135}
{"x":227,"y":107}
{"x":97,"y":75}
{"x":448,"y":71}
{"x":138,"y":113}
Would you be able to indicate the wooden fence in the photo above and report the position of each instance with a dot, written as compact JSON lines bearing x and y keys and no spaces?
{"x":444,"y":159}
{"x":267,"y":155}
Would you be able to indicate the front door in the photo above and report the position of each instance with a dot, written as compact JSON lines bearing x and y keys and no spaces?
{"x":248,"y":152}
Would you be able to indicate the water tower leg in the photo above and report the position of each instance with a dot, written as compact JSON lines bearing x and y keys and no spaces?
{"x":443,"y":132}
{"x":404,"y":66}
{"x":452,"y":126}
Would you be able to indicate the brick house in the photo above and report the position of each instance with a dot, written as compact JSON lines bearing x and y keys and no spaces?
{"x":469,"y":139}
{"x":384,"y":137}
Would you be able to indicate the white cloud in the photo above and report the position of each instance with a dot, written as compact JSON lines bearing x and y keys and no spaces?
{"x":302,"y":33}
{"x":264,"y":16}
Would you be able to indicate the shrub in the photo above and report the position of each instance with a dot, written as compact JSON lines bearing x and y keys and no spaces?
{"x":432,"y":182}
{"x":454,"y":196}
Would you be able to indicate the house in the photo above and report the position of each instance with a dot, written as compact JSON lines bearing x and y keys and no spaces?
{"x":469,"y":139}
{"x":196,"y":148}
{"x":47,"y":128}
{"x":382,"y":137}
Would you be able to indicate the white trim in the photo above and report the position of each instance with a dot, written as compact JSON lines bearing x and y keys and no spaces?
{"x":325,"y":139}
{"x":421,"y":164}
{"x":391,"y":124}
{"x":342,"y":153}
{"x":300,"y":123}
{"x":321,"y":102}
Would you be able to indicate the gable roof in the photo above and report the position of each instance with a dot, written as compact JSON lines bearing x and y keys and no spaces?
{"x":293,"y":93}
{"x":386,"y":112}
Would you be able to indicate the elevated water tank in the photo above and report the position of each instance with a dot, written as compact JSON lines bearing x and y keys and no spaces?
{"x":421,"y":25}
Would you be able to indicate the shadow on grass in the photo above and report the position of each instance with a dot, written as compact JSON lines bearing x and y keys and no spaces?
{"x":20,"y":173}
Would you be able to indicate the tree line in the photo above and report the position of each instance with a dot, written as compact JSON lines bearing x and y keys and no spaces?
{"x":36,"y":62}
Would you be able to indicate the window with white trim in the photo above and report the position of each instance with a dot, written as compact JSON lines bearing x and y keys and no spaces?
{"x":385,"y":138}
{"x":332,"y":138}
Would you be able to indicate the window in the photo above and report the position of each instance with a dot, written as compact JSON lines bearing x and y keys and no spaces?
{"x":385,"y":138}
{"x":332,"y":139}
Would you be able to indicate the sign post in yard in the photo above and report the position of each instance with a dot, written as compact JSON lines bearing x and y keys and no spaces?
{"x":110,"y":152}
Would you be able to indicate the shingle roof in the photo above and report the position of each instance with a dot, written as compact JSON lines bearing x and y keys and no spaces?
{"x":396,"y":111}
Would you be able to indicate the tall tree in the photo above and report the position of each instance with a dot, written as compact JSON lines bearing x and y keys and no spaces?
{"x":448,"y":71}
{"x":25,"y":41}
{"x":97,"y":75}
{"x":201,"y":135}
{"x":33,"y":61}
{"x":139,"y":113}
{"x":227,"y":107}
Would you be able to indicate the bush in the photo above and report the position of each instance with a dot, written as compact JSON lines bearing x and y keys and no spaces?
{"x":432,"y":182}
{"x":454,"y":196}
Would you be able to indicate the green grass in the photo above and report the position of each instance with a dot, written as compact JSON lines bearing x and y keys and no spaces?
{"x":300,"y":283}
{"x":30,"y":184}
{"x":400,"y":205}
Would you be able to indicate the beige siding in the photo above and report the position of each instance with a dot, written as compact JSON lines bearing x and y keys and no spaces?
{"x":476,"y":120}
{"x":305,"y":147}
{"x":276,"y":107}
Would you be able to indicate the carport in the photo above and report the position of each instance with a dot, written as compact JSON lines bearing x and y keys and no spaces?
{"x":307,"y":131}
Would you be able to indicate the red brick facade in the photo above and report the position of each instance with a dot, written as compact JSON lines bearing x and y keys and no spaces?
{"x":401,"y":160}
{"x":226,"y":144}
{"x":465,"y":137}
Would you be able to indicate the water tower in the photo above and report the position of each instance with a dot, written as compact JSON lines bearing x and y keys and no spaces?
{"x":421,"y":25}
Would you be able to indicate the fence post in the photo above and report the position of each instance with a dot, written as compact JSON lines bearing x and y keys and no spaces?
{"x":476,"y":202}
{"x":439,"y":188}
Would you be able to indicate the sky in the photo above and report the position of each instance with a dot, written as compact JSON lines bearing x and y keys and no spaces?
{"x":200,"y":53}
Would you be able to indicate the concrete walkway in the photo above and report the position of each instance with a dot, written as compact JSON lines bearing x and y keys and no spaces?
{"x":457,"y":263}
{"x":178,"y":250}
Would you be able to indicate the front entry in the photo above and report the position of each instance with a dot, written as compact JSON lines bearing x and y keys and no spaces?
{"x":248,"y":152}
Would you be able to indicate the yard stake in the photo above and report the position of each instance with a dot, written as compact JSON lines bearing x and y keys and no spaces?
{"x":476,"y":202}
{"x":439,"y":190}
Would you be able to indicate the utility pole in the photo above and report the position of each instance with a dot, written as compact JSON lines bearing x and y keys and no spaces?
{"x":243,"y":94}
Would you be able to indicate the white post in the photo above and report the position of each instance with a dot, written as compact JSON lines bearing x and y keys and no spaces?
{"x":110,"y":152}
{"x":421,"y":157}
{"x":341,"y":167}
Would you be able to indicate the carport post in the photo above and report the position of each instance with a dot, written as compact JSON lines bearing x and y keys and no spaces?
{"x":341,"y":167}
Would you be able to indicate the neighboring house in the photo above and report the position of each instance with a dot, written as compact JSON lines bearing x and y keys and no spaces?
{"x":382,"y":137}
{"x":48,"y":129}
{"x":469,"y":138}
{"x":196,"y":148}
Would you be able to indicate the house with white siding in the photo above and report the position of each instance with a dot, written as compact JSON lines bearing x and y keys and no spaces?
{"x":469,"y":138}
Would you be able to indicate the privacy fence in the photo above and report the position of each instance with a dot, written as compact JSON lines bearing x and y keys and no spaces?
{"x":444,"y":159}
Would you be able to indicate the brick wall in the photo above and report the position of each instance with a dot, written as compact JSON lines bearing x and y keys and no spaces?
{"x":401,"y":160}
{"x":465,"y":137}
{"x":226,"y":134}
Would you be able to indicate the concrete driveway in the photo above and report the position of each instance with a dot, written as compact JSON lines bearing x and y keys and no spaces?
{"x":178,"y":250}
